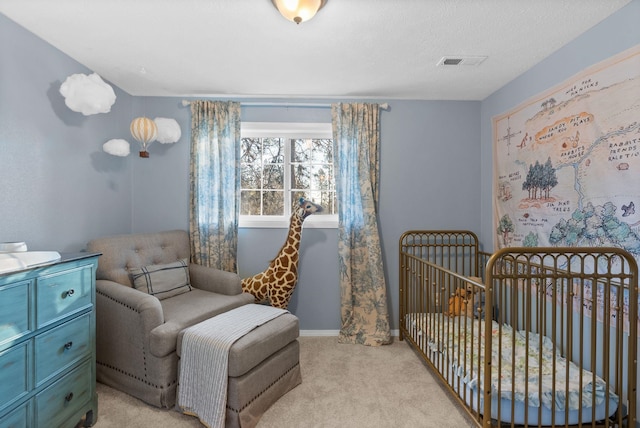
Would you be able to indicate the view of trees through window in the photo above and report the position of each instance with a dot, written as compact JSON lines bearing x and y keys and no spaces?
{"x":277,"y":172}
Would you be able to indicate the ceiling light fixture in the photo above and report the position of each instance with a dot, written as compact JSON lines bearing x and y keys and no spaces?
{"x":298,"y":10}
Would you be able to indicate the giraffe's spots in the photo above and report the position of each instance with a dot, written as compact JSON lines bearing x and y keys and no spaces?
{"x":258,"y":277}
{"x":276,"y":284}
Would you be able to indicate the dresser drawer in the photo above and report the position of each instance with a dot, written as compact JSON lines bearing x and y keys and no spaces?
{"x":47,"y":344}
{"x":56,"y":404}
{"x":61,"y":293}
{"x":19,"y":418}
{"x":14,"y":374}
{"x":14,"y":311}
{"x":61,"y":347}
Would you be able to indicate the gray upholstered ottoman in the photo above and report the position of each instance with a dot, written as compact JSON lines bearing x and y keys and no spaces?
{"x":263,"y":366}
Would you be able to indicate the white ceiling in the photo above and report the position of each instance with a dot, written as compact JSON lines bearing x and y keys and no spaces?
{"x":385,"y":49}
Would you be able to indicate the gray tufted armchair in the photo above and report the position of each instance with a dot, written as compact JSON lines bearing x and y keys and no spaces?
{"x":137,"y":331}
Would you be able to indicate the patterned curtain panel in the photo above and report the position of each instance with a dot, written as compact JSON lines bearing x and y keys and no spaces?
{"x":214,"y":178}
{"x":356,"y":137}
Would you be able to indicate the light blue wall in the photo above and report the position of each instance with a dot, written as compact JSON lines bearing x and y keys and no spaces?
{"x":612,"y":36}
{"x":160,"y":183}
{"x":57,"y":188}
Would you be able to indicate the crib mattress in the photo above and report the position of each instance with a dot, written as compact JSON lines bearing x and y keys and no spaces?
{"x":457,"y":338}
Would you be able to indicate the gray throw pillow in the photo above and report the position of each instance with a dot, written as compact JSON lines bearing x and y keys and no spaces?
{"x":163,"y":281}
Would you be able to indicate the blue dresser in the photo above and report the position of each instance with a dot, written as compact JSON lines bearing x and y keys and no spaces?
{"x":47,"y":344}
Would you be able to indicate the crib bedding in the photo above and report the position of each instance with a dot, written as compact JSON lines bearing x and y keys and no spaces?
{"x":461,"y":341}
{"x":526,"y":414}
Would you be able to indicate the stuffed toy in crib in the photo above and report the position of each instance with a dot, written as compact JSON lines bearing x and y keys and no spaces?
{"x":461,"y":303}
{"x":470,"y":299}
{"x":476,"y":308}
{"x":458,"y":303}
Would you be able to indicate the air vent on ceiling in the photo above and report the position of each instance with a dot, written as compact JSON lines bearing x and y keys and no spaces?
{"x":461,"y":60}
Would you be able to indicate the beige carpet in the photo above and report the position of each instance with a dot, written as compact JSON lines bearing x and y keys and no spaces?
{"x":342,"y":386}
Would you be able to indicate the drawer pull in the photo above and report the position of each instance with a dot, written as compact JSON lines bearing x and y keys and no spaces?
{"x":68,"y":345}
{"x":68,"y":397}
{"x":68,"y":293}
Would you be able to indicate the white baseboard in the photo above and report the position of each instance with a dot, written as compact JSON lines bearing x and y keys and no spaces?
{"x":329,"y":333}
{"x":319,"y":333}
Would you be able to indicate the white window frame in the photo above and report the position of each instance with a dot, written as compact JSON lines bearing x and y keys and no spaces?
{"x":291,"y":131}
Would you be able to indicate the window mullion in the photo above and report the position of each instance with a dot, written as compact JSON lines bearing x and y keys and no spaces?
{"x":287,"y":176}
{"x":262,"y":176}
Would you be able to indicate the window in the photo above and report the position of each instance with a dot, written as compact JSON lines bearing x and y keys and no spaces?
{"x":282,"y":162}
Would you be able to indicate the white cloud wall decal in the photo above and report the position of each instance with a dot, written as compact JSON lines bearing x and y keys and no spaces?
{"x":87,"y":94}
{"x":168,"y":130}
{"x":117,"y":147}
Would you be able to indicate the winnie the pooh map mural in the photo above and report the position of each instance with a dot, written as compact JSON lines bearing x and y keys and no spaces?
{"x":567,"y":163}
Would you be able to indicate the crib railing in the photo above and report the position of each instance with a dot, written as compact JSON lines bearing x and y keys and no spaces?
{"x":586,"y":301}
{"x":433,"y":265}
{"x":583,"y":300}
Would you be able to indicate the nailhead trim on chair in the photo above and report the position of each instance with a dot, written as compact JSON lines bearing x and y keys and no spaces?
{"x":137,"y":378}
{"x":117,"y":301}
{"x":144,"y":352}
{"x":263,"y":391}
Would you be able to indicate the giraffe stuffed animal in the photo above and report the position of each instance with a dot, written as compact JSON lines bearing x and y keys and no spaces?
{"x":277,"y":282}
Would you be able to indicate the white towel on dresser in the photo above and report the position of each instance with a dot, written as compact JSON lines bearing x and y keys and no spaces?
{"x":202,"y":389}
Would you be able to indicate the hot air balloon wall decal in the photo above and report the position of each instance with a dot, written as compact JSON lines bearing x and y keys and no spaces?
{"x":145,"y":131}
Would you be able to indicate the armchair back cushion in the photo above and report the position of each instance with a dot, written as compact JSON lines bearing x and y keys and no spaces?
{"x":123,"y":253}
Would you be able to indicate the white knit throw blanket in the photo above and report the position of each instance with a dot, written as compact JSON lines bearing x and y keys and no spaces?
{"x":202,"y":389}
